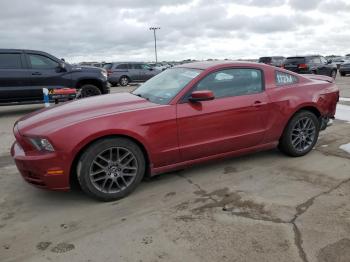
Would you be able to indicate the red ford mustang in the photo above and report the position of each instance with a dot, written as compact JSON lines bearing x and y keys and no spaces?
{"x":186,"y":115}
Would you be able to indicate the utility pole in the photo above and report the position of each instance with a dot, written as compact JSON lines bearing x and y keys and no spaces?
{"x":155,"y":41}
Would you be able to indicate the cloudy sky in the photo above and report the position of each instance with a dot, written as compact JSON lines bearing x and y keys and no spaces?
{"x":85,"y":30}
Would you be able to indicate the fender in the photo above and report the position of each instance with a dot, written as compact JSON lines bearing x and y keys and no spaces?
{"x":112,"y":132}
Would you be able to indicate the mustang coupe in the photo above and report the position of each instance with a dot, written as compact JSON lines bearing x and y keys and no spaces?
{"x":186,"y":115}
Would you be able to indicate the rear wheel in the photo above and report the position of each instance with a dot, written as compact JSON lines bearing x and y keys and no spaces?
{"x":111,"y":168}
{"x":124,"y":81}
{"x":342,"y":74}
{"x":300,"y":135}
{"x":334,"y":74}
{"x":89,"y":90}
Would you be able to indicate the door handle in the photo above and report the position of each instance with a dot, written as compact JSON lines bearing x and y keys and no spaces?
{"x":258,"y":103}
{"x":36,"y":74}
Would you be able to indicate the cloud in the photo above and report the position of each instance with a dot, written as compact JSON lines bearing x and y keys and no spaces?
{"x":119,"y":29}
{"x":305,"y":5}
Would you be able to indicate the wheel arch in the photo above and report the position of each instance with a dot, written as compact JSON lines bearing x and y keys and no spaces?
{"x":307,"y":107}
{"x":73,"y":180}
{"x":91,"y":81}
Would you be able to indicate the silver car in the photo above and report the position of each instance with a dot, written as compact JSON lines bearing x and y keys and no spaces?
{"x":123,"y":73}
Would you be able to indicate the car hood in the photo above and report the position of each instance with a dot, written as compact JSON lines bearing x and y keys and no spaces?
{"x":49,"y":120}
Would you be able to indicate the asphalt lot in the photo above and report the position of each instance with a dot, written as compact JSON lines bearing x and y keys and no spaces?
{"x":261,"y":207}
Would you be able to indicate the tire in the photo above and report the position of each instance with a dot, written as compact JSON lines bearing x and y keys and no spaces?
{"x":334,"y":74}
{"x":300,"y":134}
{"x":124,"y":81}
{"x":108,"y":181}
{"x":89,"y":90}
{"x":342,"y":74}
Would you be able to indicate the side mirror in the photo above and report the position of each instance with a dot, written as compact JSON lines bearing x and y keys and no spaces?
{"x":329,"y":61}
{"x":61,"y":67}
{"x":204,"y":95}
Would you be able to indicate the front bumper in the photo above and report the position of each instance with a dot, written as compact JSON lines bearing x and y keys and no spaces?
{"x":45,"y":171}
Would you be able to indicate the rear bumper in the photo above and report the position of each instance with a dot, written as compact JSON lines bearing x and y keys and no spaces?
{"x":325,"y":122}
{"x":47,"y":171}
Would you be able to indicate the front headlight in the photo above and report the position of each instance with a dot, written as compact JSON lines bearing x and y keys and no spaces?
{"x":104,"y":73}
{"x":42,"y":144}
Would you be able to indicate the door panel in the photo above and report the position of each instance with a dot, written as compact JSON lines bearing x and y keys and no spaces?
{"x":136,"y":72}
{"x":44,"y":73}
{"x":14,"y":78}
{"x":325,"y":68}
{"x":234,"y":120}
{"x":14,"y":85}
{"x":221,"y":125}
{"x":147,"y":72}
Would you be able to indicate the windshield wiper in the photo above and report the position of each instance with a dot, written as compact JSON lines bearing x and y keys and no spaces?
{"x":139,"y":95}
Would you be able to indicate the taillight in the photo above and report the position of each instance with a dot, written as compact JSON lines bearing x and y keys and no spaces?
{"x":302,"y":66}
{"x":109,"y":72}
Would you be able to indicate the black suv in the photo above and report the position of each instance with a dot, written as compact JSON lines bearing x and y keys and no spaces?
{"x":313,"y":64}
{"x":24,"y":73}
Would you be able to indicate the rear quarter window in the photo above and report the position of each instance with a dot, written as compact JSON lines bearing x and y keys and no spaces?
{"x":283,"y":79}
{"x":10,"y":61}
{"x":122,"y":66}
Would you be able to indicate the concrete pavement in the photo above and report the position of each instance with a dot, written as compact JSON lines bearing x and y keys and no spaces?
{"x":260,"y":207}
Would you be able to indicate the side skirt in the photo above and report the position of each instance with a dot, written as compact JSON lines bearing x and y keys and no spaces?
{"x":189,"y":163}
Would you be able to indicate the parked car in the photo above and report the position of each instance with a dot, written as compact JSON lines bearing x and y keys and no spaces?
{"x":312,"y":64}
{"x":159,"y":66}
{"x":338,"y":61}
{"x":344,"y":68}
{"x":123,"y":73}
{"x":186,"y":115}
{"x":95,"y":64}
{"x":23,"y":74}
{"x":272,"y":60}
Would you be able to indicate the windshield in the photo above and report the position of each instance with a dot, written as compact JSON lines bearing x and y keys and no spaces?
{"x":162,"y":88}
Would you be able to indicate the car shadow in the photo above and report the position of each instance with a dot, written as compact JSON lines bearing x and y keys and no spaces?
{"x":77,"y":196}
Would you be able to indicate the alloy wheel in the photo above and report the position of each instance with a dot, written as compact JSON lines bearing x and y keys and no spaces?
{"x":303,"y":134}
{"x":113,"y":170}
{"x":124,"y":81}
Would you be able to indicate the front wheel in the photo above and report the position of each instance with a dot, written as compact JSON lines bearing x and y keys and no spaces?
{"x":89,"y":90}
{"x":111,"y":168}
{"x":300,"y":135}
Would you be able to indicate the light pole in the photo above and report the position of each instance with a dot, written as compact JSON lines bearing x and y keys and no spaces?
{"x":155,"y":41}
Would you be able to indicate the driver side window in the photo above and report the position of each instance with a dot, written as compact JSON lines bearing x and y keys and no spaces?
{"x":41,"y":62}
{"x":232,"y":82}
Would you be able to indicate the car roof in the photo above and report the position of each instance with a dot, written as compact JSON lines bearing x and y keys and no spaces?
{"x":218,"y":64}
{"x":4,"y":50}
{"x":127,"y":63}
{"x":303,"y":56}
